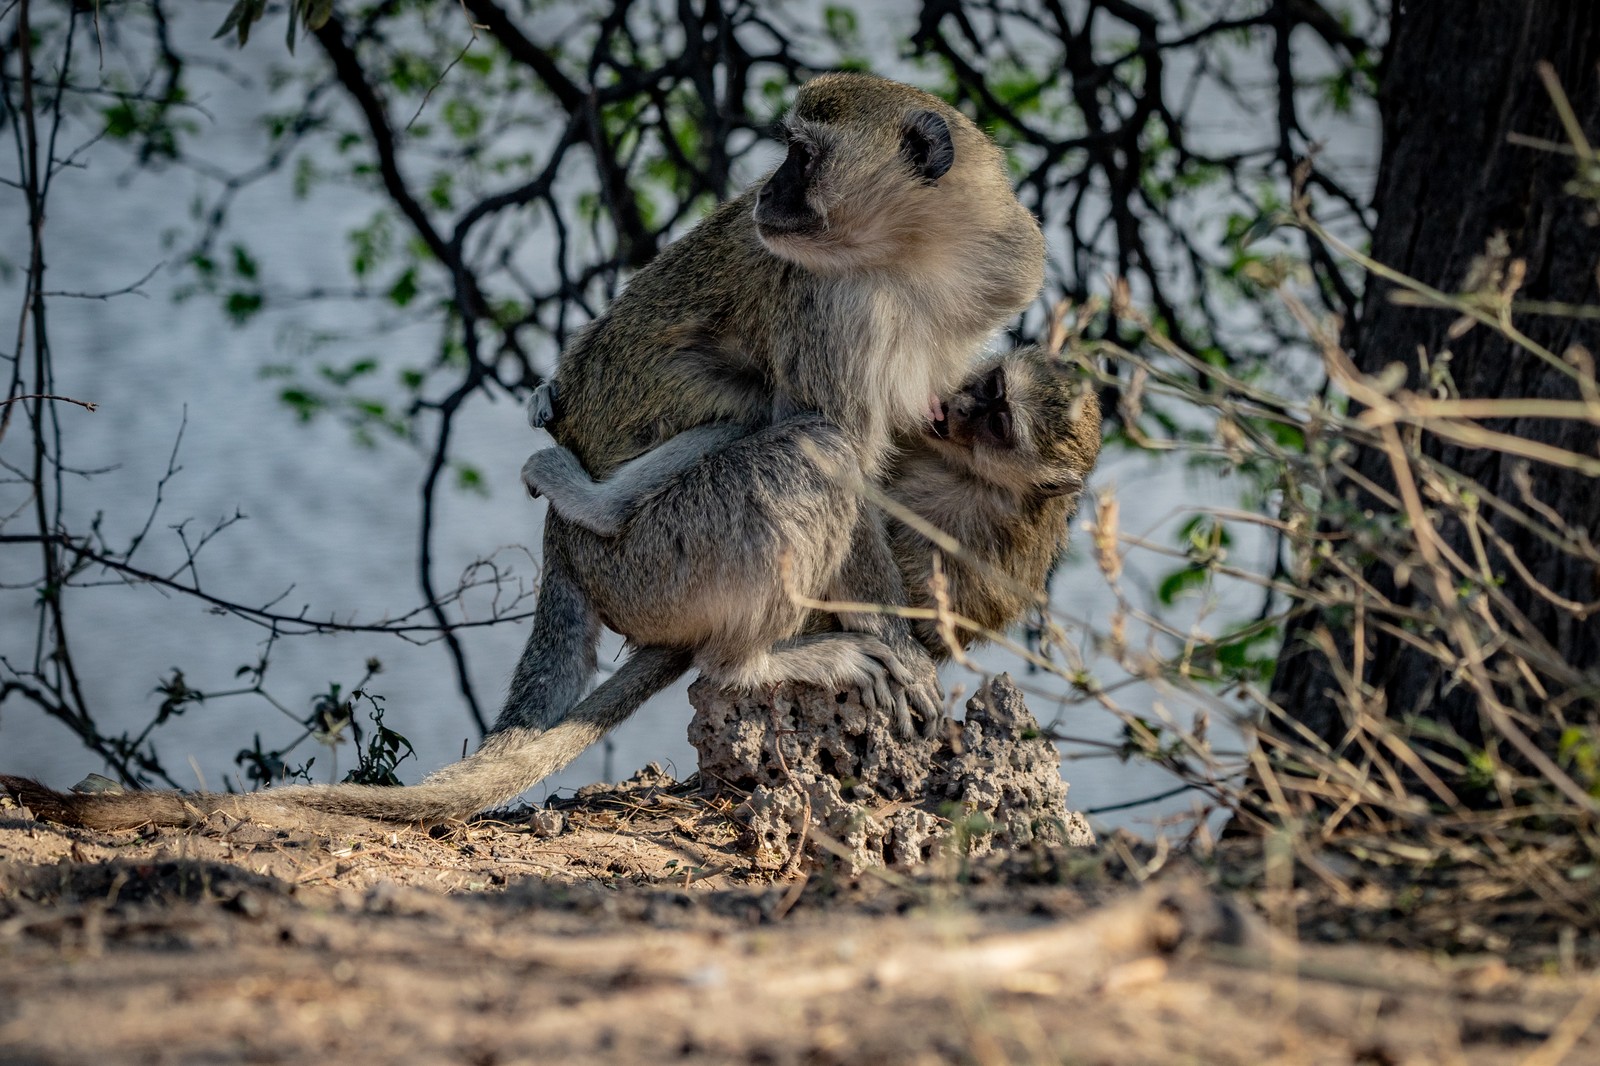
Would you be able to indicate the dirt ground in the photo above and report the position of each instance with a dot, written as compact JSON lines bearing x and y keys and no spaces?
{"x":641,"y":933}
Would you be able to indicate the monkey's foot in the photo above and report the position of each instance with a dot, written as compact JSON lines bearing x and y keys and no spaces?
{"x":917,"y":692}
{"x":831,"y":660}
{"x":902,"y":684}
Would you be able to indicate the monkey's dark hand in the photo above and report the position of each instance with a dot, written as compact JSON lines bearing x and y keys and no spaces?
{"x":557,"y":474}
{"x":543,"y":405}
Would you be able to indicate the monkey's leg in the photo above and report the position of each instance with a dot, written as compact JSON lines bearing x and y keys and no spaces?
{"x":559,"y":658}
{"x":603,"y":507}
{"x":722,"y":558}
{"x":870,"y":575}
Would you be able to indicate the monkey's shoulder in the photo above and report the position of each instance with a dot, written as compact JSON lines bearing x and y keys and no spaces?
{"x":723,"y":253}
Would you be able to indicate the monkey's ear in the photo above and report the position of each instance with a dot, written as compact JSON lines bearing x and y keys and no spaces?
{"x":925,"y":143}
{"x":1064,"y":484}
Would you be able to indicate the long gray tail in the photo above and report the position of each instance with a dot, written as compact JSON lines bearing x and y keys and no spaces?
{"x":542,"y":727}
{"x":512,"y":759}
{"x":510,"y":762}
{"x":556,"y":663}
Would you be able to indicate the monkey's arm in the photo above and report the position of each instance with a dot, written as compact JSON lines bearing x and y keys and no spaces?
{"x":603,"y":507}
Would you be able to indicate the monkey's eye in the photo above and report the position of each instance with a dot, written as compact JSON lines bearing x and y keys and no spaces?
{"x":993,"y":386}
{"x":999,"y":425}
{"x":801,"y":156}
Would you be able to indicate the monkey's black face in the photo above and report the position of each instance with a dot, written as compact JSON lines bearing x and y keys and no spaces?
{"x":979,"y":415}
{"x":782,"y":209}
{"x":1023,"y":422}
{"x":784,"y":204}
{"x":863,"y":178}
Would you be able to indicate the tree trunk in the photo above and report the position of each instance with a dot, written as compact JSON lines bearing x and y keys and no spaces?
{"x":1458,"y":79}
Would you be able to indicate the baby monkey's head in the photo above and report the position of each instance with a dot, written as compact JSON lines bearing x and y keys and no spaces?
{"x":1024,"y":420}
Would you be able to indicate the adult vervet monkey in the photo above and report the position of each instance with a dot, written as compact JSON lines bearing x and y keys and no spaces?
{"x":999,"y":471}
{"x":820,"y":311}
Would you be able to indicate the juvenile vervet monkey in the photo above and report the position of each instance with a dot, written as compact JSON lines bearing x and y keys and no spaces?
{"x":819,"y":311}
{"x":1000,"y":471}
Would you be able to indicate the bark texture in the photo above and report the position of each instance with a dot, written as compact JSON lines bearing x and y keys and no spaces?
{"x":1457,"y":81}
